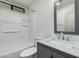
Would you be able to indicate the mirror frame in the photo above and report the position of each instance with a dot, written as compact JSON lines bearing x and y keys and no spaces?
{"x":76,"y":19}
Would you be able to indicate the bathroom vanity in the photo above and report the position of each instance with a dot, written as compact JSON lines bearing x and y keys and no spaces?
{"x":56,"y":49}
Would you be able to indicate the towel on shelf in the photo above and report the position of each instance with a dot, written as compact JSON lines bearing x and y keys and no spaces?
{"x":11,"y":28}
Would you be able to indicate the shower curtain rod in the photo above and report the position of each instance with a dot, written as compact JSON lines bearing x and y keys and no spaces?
{"x":10,"y":4}
{"x":17,"y":6}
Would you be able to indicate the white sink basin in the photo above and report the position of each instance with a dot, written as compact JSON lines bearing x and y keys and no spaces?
{"x":63,"y":44}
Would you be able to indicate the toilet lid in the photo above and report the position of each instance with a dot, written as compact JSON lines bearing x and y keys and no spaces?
{"x":28,"y":52}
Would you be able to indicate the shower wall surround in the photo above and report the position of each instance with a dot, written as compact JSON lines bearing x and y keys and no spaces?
{"x":14,"y":27}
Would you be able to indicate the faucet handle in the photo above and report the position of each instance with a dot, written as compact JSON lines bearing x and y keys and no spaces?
{"x":69,"y":38}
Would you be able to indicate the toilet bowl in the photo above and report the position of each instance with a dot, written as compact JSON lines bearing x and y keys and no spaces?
{"x":29,"y":53}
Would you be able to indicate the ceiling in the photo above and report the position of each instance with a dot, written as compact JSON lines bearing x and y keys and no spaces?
{"x":23,"y":2}
{"x":64,"y":3}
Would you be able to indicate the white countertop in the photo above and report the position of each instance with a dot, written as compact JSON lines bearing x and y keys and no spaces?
{"x":70,"y":47}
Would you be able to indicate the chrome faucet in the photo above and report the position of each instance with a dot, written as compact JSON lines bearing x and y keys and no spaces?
{"x":62,"y":36}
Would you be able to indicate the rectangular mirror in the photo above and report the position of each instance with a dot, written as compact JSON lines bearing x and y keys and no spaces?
{"x":65,"y":16}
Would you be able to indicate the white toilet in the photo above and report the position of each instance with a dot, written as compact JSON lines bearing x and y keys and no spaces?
{"x":29,"y":53}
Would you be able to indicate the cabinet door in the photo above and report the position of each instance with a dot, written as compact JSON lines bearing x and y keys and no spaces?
{"x":43,"y":52}
{"x":56,"y":55}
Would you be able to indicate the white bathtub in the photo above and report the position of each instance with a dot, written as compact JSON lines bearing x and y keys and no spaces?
{"x":13,"y":51}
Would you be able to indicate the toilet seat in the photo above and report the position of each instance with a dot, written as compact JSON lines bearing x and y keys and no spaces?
{"x":28,"y":52}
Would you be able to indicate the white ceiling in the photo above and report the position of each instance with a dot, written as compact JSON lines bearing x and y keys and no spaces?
{"x":26,"y":2}
{"x":64,"y":3}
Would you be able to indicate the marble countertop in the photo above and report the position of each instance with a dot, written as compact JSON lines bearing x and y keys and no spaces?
{"x":69,"y":47}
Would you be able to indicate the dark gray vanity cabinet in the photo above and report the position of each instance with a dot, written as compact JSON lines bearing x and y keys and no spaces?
{"x":56,"y":55}
{"x":44,"y":51}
